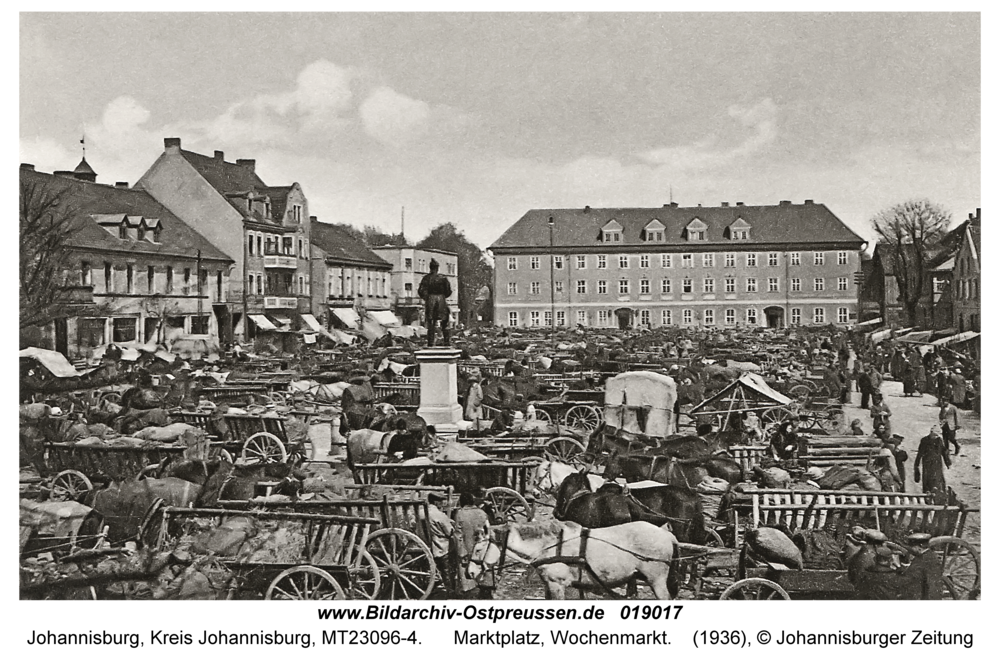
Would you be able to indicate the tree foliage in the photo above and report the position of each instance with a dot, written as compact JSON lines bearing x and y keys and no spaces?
{"x":911,"y":231}
{"x":474,"y":270}
{"x":47,"y":222}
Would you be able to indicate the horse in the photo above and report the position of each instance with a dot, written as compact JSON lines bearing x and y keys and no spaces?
{"x":611,"y":557}
{"x":671,"y":470}
{"x":679,"y":507}
{"x":547,"y":476}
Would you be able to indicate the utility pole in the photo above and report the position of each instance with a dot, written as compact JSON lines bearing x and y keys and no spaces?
{"x":402,"y":222}
{"x":552,"y":276}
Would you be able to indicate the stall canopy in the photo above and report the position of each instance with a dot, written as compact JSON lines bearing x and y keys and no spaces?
{"x":877,"y":320}
{"x":641,"y":402}
{"x":957,"y":338}
{"x":263,"y":323}
{"x":348,"y":316}
{"x":748,"y":393}
{"x":54,"y":362}
{"x":917,"y":337}
{"x":311,"y":322}
{"x":386,"y":318}
{"x":285,"y":324}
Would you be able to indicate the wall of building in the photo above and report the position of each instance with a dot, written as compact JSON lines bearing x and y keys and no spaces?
{"x":409,"y":266}
{"x":656,"y":284}
{"x":965,"y":284}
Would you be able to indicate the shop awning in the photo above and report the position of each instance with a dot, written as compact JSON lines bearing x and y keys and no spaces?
{"x":348,"y":316}
{"x":957,"y":338}
{"x":920,"y":337}
{"x":877,"y":320}
{"x":54,"y":362}
{"x":386,"y":318}
{"x":311,"y":322}
{"x":263,"y":323}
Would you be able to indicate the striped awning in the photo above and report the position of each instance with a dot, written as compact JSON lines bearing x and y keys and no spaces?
{"x":263,"y":323}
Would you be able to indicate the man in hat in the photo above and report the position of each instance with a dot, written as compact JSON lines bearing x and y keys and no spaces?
{"x":434,"y":290}
{"x":442,"y":530}
{"x":924,"y":577}
{"x":948,"y":419}
{"x":357,"y":400}
{"x":932,"y":458}
{"x":958,"y":387}
{"x":472,"y":525}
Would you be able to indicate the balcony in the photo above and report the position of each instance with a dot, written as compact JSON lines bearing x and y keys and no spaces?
{"x":280,"y":262}
{"x":280,"y":302}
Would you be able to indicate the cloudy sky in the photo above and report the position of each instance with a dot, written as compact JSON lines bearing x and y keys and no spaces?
{"x":475,"y":119}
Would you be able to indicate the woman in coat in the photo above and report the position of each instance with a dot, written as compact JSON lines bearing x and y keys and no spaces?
{"x":957,"y":382}
{"x":932,"y":458}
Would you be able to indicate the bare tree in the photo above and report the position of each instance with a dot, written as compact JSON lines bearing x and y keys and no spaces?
{"x":910,"y":231}
{"x":48,"y":222}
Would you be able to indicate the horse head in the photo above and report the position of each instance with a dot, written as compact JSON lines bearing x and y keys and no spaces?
{"x":573,"y":485}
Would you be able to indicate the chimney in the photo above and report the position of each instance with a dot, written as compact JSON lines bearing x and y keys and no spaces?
{"x":220,"y":156}
{"x":785,"y":203}
{"x":808,"y":202}
{"x":673,"y":204}
{"x":249,"y":164}
{"x":312,"y":219}
{"x":65,"y":173}
{"x":586,"y":210}
{"x":29,"y":166}
{"x":172,"y":145}
{"x":739,"y":204}
{"x":121,"y":185}
{"x":725,"y":204}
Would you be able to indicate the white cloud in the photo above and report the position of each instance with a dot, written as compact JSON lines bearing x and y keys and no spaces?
{"x":707,"y":153}
{"x":393,"y":118}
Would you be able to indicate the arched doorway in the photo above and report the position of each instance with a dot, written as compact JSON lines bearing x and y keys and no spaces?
{"x":775,"y":316}
{"x":625,"y":318}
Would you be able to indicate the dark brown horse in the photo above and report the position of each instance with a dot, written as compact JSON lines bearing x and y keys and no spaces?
{"x":679,"y":507}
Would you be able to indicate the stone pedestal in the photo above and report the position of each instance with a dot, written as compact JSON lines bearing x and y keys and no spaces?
{"x":439,"y":388}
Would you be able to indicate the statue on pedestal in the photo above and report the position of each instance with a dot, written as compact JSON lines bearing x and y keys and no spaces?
{"x":434,"y":290}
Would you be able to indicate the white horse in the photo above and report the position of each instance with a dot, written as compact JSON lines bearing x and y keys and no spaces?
{"x":364,"y":446}
{"x":613,"y":556}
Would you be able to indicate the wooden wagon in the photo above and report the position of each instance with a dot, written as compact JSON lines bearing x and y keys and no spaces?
{"x":332,"y":564}
{"x":893,"y":513}
{"x":262,"y":438}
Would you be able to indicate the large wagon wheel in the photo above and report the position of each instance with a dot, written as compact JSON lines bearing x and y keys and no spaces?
{"x":775,"y":416}
{"x":582,"y":416}
{"x":754,"y":588}
{"x":69,"y":484}
{"x":305,"y":451}
{"x":542,"y":415}
{"x":832,"y":419}
{"x":564,"y":449}
{"x":801,"y":393}
{"x":113,"y":397}
{"x":305,"y":582}
{"x":405,"y":563}
{"x":509,"y":507}
{"x":960,"y":567}
{"x":263,"y":448}
{"x":366,"y":580}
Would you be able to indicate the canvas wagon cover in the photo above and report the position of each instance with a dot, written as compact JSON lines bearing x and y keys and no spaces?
{"x":641,"y":402}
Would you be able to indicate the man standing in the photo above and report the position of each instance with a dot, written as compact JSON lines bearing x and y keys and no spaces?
{"x":434,"y":290}
{"x":957,"y":387}
{"x":864,"y":385}
{"x":474,"y":400}
{"x":472,"y":525}
{"x":948,"y":418}
{"x":442,"y":530}
{"x":932,"y":457}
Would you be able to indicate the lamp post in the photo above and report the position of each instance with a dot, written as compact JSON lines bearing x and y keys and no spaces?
{"x":552,"y":275}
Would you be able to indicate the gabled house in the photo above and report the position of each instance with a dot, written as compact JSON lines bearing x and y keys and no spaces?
{"x":347,"y":275}
{"x":142,"y":274}
{"x":263,"y":229}
{"x":965,"y":282}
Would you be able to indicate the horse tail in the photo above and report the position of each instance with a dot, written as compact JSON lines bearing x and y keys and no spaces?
{"x":673,"y":578}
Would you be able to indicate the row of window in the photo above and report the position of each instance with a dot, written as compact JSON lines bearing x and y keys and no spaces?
{"x":346,"y":282}
{"x":688,"y":316}
{"x":655,"y":231}
{"x":449,"y":267}
{"x":92,"y":331}
{"x":123,"y":280}
{"x":273,"y":284}
{"x":686,"y":260}
{"x":262,"y":243}
{"x":968,"y":288}
{"x":686,"y":286}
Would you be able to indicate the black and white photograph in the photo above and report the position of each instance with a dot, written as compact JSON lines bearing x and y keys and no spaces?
{"x":499,"y":307}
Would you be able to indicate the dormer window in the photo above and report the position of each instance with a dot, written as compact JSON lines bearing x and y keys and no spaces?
{"x":696,"y":230}
{"x":140,"y":232}
{"x":654,"y":232}
{"x":123,"y":231}
{"x":739,"y":230}
{"x":611,"y":233}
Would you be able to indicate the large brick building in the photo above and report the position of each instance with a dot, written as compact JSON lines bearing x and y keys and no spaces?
{"x":779,"y":265}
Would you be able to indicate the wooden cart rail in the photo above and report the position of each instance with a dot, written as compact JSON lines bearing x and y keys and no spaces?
{"x":822,"y":508}
{"x":241,"y":425}
{"x":512,"y":475}
{"x":819,"y":452}
{"x":116,"y":462}
{"x":409,"y":393}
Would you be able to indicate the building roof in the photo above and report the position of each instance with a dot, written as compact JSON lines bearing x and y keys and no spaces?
{"x":98,"y":204}
{"x":340,"y":246}
{"x":239,"y":178}
{"x":808,"y":223}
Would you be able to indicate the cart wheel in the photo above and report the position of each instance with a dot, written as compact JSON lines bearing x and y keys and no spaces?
{"x":777,"y":415}
{"x":366,"y":580}
{"x":960,"y":566}
{"x":509,"y":507}
{"x":263,"y":448}
{"x":112,"y":397}
{"x":800,"y":393}
{"x":543,"y":415}
{"x":582,"y":416}
{"x":278,"y":398}
{"x":151,"y":525}
{"x":225,"y":455}
{"x":713,"y":539}
{"x":833,"y":421}
{"x":564,"y":449}
{"x":69,"y":484}
{"x":405,"y":563}
{"x":305,"y":582}
{"x":754,"y":588}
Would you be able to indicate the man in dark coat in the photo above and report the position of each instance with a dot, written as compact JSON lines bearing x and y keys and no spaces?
{"x":434,"y":290}
{"x":864,"y":385}
{"x":932,"y":458}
